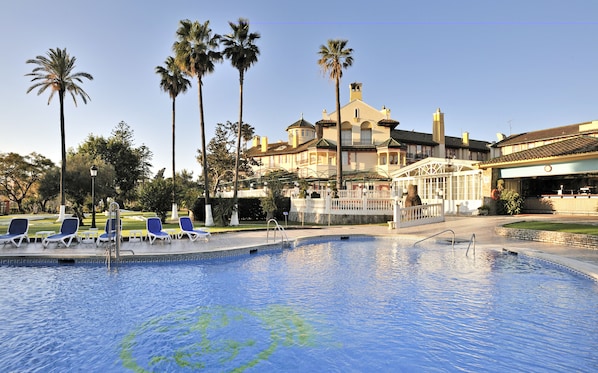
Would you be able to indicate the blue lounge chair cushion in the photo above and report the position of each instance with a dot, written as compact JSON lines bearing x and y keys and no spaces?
{"x":154,"y":230}
{"x":17,"y":232}
{"x":187,"y":228}
{"x":68,"y":233}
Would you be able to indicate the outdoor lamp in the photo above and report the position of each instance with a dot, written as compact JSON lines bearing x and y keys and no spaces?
{"x":93,"y":171}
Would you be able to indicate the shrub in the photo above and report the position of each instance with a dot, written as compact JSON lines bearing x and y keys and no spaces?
{"x":510,"y":202}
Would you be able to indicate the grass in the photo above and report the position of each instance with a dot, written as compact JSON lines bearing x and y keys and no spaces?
{"x":556,"y":227}
{"x":131,"y":221}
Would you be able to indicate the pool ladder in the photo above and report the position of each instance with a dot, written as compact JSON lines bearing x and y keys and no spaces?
{"x":277,"y":228}
{"x":114,"y":247}
{"x":471,"y":240}
{"x":113,"y":212}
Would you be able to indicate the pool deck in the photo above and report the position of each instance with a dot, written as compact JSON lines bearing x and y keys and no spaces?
{"x":483,"y":227}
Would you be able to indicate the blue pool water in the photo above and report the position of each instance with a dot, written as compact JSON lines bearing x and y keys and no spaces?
{"x":341,"y":306}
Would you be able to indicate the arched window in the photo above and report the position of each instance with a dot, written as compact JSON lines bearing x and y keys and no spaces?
{"x":365,"y":137}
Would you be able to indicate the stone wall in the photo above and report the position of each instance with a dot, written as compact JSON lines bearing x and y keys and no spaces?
{"x":585,"y":241}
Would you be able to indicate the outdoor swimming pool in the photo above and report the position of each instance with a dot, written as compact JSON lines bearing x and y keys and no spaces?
{"x":347,"y":306}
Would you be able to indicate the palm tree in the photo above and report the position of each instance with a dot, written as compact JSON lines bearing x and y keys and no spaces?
{"x":55,"y":71}
{"x":195,"y":53}
{"x":240,"y":49}
{"x":334,"y":58}
{"x":173,"y":82}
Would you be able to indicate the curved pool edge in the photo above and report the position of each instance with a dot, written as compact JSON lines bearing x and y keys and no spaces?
{"x":192,"y":251}
{"x":582,"y":268}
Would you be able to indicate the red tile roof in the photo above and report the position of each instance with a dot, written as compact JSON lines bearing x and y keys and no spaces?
{"x":571,"y":146}
{"x":546,"y":134}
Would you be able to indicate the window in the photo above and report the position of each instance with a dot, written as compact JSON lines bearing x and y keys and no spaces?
{"x":346,"y":137}
{"x":366,"y":136}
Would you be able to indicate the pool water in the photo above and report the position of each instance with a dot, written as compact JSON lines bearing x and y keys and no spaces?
{"x":344,"y":306}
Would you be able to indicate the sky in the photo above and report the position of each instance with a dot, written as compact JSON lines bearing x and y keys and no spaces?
{"x":506,"y":66}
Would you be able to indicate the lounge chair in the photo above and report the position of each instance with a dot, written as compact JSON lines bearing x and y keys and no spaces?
{"x":109,"y":231}
{"x":17,"y":232}
{"x":68,"y":233}
{"x":154,"y":231}
{"x":187,"y":228}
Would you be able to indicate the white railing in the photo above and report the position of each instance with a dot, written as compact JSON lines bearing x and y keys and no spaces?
{"x":360,"y":193}
{"x":418,"y":215}
{"x":340,"y":206}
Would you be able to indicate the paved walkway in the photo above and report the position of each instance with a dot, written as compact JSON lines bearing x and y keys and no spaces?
{"x":583,"y":260}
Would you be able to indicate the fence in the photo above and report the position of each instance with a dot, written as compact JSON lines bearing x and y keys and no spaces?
{"x":418,"y":215}
{"x":329,"y":210}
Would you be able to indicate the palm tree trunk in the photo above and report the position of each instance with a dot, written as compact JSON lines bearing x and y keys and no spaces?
{"x":339,"y":151}
{"x":63,"y":157}
{"x":174,"y":212}
{"x":209,"y":219}
{"x":234,"y":220}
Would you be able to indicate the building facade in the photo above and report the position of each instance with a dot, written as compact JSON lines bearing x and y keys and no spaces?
{"x":555,"y":169}
{"x":373,"y":149}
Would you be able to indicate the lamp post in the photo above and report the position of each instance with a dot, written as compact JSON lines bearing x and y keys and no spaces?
{"x":93,"y":171}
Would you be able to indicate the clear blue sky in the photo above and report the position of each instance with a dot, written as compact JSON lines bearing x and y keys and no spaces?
{"x":505,"y":66}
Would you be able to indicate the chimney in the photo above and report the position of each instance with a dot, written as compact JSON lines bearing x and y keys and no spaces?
{"x":255,"y":141}
{"x":438,"y":133}
{"x":355,"y":93}
{"x":386,"y":112}
{"x":319,"y":130}
{"x":438,"y":127}
{"x":465,"y":139}
{"x":264,"y":144}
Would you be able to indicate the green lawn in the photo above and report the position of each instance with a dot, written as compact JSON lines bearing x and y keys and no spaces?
{"x":557,"y":227}
{"x":131,"y":221}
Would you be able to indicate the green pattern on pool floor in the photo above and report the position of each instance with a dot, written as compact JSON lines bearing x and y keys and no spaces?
{"x":208,"y":336}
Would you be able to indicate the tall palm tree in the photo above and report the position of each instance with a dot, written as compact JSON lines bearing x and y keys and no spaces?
{"x":334,"y":58}
{"x":195,"y":53}
{"x":55,"y":71}
{"x":240,"y":49}
{"x":173,"y":82}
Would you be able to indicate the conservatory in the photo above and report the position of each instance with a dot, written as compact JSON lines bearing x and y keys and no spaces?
{"x":456,"y":183}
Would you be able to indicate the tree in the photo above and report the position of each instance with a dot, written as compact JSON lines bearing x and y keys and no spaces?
{"x":19,"y":175}
{"x":334,"y":58}
{"x":270,"y":203}
{"x":247,"y":133}
{"x":220,"y":155}
{"x":240,"y":49}
{"x":55,"y":72}
{"x":49,"y":189}
{"x":173,"y":82}
{"x":146,"y":156}
{"x":195,"y":53}
{"x":155,"y":196}
{"x":79,"y":181}
{"x":187,"y":189}
{"x":119,"y":151}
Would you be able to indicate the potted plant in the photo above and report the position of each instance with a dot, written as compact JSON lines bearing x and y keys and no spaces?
{"x":484,"y":210}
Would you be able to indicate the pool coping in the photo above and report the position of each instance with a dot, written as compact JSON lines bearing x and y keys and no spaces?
{"x":194,"y":252}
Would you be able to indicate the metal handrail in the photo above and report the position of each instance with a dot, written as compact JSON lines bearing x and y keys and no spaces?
{"x":472,"y":239}
{"x":114,"y":208}
{"x":437,"y":234}
{"x":277,"y":227}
